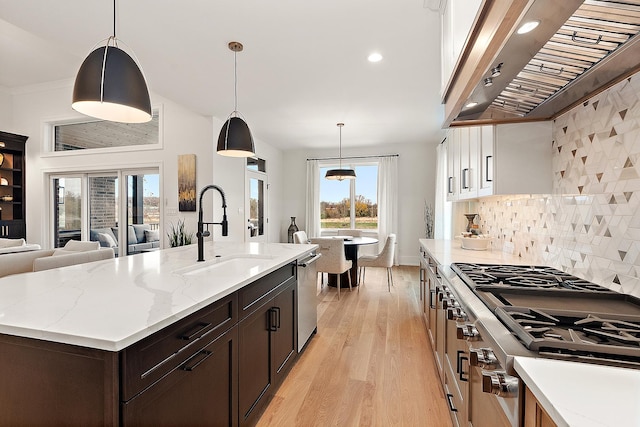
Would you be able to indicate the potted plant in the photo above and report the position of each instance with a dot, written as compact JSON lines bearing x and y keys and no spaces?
{"x":178,"y":236}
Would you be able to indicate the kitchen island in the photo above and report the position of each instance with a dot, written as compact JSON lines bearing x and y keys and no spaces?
{"x":571,"y":393}
{"x":107,"y":342}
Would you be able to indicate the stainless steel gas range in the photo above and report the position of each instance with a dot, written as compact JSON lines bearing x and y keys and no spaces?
{"x":481,"y":316}
{"x":559,"y":315}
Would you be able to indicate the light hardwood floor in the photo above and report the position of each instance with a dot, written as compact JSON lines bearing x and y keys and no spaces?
{"x":370,"y":364}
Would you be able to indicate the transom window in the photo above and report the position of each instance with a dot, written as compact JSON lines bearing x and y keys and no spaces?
{"x":105,"y":134}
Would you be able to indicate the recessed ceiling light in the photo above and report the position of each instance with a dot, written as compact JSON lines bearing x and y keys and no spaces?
{"x":471,"y":104}
{"x":528,"y":26}
{"x":375,"y":57}
{"x":488,"y":81}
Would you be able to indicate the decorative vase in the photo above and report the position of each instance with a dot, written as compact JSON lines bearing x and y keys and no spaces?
{"x":292,"y":229}
{"x":470,"y":218}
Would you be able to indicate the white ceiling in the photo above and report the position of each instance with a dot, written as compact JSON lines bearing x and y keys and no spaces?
{"x":303,"y":69}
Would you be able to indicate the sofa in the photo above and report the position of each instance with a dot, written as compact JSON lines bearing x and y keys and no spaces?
{"x":140,"y":238}
{"x":74,"y":252}
{"x":8,"y":246}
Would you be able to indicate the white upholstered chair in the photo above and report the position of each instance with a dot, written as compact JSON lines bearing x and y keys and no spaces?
{"x":300,"y":237}
{"x":333,"y":260}
{"x":349,"y":232}
{"x":384,"y":259}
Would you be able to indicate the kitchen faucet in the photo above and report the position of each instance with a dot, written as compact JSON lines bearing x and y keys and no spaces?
{"x":202,"y":233}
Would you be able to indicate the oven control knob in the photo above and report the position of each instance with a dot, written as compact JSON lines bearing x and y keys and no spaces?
{"x":468,"y":332}
{"x":500,"y":383}
{"x":449,"y":302}
{"x":483,"y":357}
{"x":456,"y":313}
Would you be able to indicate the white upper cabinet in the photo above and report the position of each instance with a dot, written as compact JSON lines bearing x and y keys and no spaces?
{"x":457,"y":18}
{"x":499,"y":159}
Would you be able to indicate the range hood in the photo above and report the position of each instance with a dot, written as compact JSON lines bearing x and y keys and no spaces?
{"x":580,"y":48}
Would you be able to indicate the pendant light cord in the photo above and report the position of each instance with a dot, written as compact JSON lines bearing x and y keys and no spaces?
{"x":235,"y":81}
{"x":114,"y":19}
{"x":340,"y":150}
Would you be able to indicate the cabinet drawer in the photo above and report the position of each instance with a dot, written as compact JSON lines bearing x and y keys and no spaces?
{"x":147,"y":361}
{"x":253,"y":295}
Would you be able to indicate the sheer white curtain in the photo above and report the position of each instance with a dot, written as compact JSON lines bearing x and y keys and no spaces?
{"x":442,"y":210}
{"x":312,"y":219}
{"x":388,"y":199}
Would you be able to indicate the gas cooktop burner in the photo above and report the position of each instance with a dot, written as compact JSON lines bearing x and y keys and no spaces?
{"x":521,"y":276}
{"x":611,"y":336}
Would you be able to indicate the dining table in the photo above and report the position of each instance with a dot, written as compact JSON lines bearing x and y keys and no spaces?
{"x":351,"y":245}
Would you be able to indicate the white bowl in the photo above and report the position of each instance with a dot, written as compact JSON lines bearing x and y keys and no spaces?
{"x":476,"y":243}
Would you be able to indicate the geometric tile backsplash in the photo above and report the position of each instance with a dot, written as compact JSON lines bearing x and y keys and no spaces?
{"x":590,"y":225}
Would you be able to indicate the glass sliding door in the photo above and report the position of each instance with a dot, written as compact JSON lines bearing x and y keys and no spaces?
{"x":67,"y":209}
{"x":143,"y":210}
{"x":119,"y":209}
{"x":255,"y":206}
{"x":103,"y":209}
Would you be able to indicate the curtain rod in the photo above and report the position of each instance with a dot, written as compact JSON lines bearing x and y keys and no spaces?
{"x":356,"y":157}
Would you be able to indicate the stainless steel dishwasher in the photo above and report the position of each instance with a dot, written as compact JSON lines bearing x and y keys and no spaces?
{"x":307,"y":298}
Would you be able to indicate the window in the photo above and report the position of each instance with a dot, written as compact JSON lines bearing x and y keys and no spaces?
{"x":338,"y":197}
{"x":105,"y":134}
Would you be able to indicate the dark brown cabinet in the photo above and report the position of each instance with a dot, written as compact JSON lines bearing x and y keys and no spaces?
{"x":184,"y":374}
{"x":216,"y":367}
{"x":12,"y":189}
{"x":199,"y":392}
{"x":267,"y":339}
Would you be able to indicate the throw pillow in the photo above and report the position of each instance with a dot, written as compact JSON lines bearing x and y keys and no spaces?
{"x":76,"y":245}
{"x":151,"y":235}
{"x":131,"y":235}
{"x":62,"y":252}
{"x":106,"y":240}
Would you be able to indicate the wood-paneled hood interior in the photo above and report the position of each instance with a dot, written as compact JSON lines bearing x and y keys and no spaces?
{"x":580,"y":48}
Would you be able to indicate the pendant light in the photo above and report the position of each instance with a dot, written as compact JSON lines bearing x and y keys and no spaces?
{"x":340,"y":173}
{"x":235,"y":138}
{"x":110,"y":85}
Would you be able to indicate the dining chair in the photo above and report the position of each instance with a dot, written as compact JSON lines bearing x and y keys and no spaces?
{"x":349,"y":232}
{"x":333,"y":259}
{"x":383,"y":259}
{"x":300,"y":237}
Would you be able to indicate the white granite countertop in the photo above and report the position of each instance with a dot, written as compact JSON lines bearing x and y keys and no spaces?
{"x":112,"y":304}
{"x":449,"y":251}
{"x":582,"y":394}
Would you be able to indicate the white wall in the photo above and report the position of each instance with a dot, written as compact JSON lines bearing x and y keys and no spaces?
{"x":416,"y":181}
{"x":5,"y":110}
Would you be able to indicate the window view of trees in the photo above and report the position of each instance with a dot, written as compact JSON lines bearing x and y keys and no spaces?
{"x":337,"y":197}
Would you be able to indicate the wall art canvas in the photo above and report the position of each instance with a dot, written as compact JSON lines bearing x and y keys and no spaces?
{"x":187,"y":182}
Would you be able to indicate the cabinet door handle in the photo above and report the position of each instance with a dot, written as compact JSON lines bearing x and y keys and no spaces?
{"x":486,"y":168}
{"x":194,"y":331}
{"x":450,"y":401}
{"x":202,"y":354}
{"x":465,"y":178}
{"x":450,"y":184}
{"x":273,"y":319}
{"x":432,"y":293}
{"x":277,"y":309}
{"x":461,"y":371}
